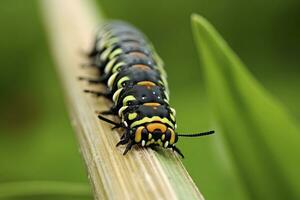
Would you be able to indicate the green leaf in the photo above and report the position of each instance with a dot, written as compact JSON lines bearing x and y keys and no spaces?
{"x":44,"y":188}
{"x":258,"y":133}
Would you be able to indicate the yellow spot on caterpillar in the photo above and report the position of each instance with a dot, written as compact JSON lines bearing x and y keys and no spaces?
{"x":159,"y":142}
{"x":111,"y":80}
{"x":173,"y":111}
{"x":127,"y":99}
{"x":149,"y":136}
{"x":153,"y":126}
{"x":142,"y":67}
{"x":132,"y":116}
{"x":116,"y":95}
{"x":146,"y":83}
{"x":162,"y":83}
{"x":109,"y":65}
{"x":172,"y":139}
{"x":105,"y":54}
{"x":122,"y":80}
{"x":121,"y":110}
{"x":115,"y":53}
{"x":172,"y":117}
{"x":167,"y":96}
{"x":138,"y":134}
{"x":105,"y":35}
{"x":163,"y":136}
{"x":151,"y":104}
{"x":117,"y":66}
{"x":137,"y":54}
{"x":152,"y":119}
{"x":110,"y":42}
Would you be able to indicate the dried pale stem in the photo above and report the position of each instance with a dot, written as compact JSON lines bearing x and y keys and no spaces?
{"x":142,"y":173}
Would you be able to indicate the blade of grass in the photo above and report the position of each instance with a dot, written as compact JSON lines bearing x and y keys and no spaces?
{"x":259,"y":133}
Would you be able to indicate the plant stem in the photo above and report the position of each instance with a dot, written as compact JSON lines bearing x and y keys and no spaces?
{"x":142,"y":173}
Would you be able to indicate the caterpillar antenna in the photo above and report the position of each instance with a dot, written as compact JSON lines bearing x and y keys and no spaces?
{"x":196,"y":134}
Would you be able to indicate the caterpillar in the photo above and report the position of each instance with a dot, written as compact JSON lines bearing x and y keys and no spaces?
{"x":136,"y":83}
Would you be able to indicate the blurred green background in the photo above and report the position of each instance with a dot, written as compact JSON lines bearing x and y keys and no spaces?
{"x":36,"y":139}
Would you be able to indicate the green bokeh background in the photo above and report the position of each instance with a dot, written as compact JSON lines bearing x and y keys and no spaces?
{"x":36,"y":139}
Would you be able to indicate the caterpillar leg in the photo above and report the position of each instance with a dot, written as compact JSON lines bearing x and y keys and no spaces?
{"x":97,"y":93}
{"x":124,"y":139}
{"x":109,"y":112}
{"x":128,"y":147}
{"x":88,"y":65}
{"x":153,"y":147}
{"x":90,"y":80}
{"x":122,"y":142}
{"x":178,"y":151}
{"x":118,"y":125}
{"x":84,"y":53}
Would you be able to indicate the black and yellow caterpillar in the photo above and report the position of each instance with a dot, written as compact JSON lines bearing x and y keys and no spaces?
{"x":136,"y":83}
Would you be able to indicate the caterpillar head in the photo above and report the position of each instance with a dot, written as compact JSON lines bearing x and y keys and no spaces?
{"x":155,"y":133}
